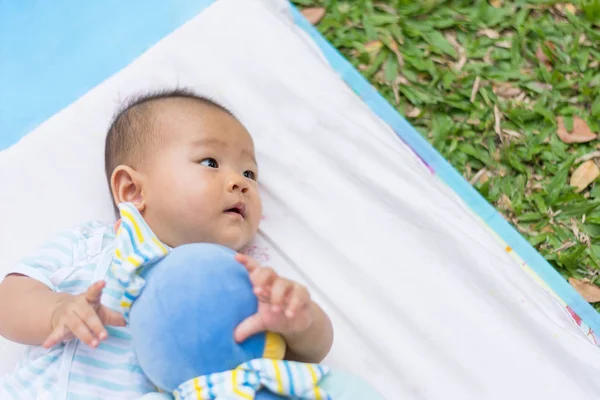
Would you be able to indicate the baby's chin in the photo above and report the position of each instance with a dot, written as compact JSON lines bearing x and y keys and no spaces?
{"x":235,"y":243}
{"x":235,"y":238}
{"x":238,"y":245}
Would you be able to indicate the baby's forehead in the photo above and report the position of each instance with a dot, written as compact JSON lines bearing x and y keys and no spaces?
{"x":185,"y":110}
{"x":195,"y":122}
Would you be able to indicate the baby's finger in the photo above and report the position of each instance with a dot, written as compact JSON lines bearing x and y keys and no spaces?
{"x":263,"y":295}
{"x":279,"y":293}
{"x":81,"y":331}
{"x":110,"y":317}
{"x":94,"y":292}
{"x":299,"y":299}
{"x":57,"y":336}
{"x":248,"y":327}
{"x":91,"y":319}
{"x":263,"y":278}
{"x":250,"y":263}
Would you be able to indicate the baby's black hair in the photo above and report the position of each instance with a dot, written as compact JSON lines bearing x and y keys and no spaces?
{"x":131,"y":135}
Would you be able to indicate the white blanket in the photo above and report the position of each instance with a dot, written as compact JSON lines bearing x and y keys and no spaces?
{"x":426,"y":304}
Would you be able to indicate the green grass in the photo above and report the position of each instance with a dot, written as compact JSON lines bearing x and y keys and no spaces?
{"x":530,"y":62}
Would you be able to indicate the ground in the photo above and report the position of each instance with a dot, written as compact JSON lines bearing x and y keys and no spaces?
{"x":508,"y":92}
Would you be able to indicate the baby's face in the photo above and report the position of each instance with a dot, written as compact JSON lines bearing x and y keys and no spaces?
{"x":201,"y":186}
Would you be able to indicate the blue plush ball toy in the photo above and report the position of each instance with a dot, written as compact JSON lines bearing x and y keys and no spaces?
{"x":183,"y":306}
{"x":183,"y":322}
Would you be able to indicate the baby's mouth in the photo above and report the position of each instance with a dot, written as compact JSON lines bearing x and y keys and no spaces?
{"x":238,"y":208}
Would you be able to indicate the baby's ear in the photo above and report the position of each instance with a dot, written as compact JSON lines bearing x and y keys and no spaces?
{"x":126,"y":187}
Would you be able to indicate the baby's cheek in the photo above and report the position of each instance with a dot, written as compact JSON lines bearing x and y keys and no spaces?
{"x":194,"y":196}
{"x":256,"y":210}
{"x":195,"y":213}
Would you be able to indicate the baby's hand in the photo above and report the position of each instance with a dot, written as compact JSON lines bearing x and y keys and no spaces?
{"x":83,"y":317}
{"x":283,"y":305}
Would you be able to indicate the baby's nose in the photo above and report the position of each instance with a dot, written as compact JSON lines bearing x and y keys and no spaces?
{"x":238,"y":182}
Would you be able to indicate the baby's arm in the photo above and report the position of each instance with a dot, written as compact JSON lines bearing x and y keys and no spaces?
{"x":36,"y":315}
{"x":313,"y":344}
{"x":26,"y":309}
{"x":33,"y":310}
{"x":285,"y":307}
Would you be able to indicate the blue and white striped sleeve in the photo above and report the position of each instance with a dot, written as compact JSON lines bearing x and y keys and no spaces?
{"x":52,"y":262}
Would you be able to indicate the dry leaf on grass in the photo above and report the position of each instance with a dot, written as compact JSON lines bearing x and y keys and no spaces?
{"x":497,"y":122}
{"x":462,"y":53}
{"x":462,"y":60}
{"x":565,"y":246}
{"x":571,"y":8}
{"x":451,"y":38}
{"x":400,"y":80}
{"x":588,"y":290}
{"x":373,"y":46}
{"x":522,"y":98}
{"x":547,"y":229}
{"x":514,"y":134}
{"x":540,"y":86}
{"x":387,"y":8}
{"x":583,"y":175}
{"x":492,"y":34}
{"x":481,"y":177}
{"x":413,"y":112}
{"x":487,"y":58}
{"x":496,"y":3}
{"x":394,"y":47}
{"x":542,"y":57}
{"x":504,"y":203}
{"x":564,"y":8}
{"x":504,"y":44}
{"x":396,"y":91}
{"x":589,"y":156}
{"x":581,"y":132}
{"x":506,"y":90}
{"x":314,"y":15}
{"x":475,"y":90}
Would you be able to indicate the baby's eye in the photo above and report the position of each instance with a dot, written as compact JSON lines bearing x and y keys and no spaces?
{"x":210,"y":162}
{"x":250,"y":175}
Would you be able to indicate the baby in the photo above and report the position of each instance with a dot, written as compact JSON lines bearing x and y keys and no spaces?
{"x":188,"y":165}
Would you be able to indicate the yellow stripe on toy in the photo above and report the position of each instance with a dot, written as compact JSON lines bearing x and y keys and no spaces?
{"x":275,"y":346}
{"x":313,"y":375}
{"x":198,"y":389}
{"x":237,"y":388}
{"x":278,"y":377}
{"x":243,"y":382}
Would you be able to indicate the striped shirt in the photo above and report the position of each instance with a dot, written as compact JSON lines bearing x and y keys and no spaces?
{"x":74,"y":371}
